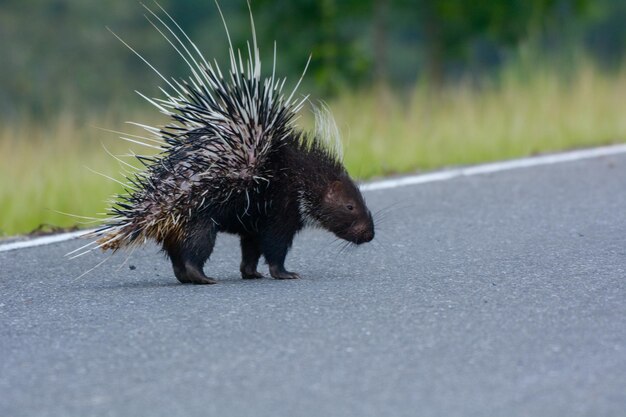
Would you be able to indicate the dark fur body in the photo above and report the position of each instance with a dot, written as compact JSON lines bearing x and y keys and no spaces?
{"x":308,"y":185}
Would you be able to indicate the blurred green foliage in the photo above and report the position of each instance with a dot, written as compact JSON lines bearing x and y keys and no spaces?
{"x":342,"y":33}
{"x":58,"y":54}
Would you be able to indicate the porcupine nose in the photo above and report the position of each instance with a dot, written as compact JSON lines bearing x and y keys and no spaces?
{"x":366,"y":230}
{"x":365,"y":234}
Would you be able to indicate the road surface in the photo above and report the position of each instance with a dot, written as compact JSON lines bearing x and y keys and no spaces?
{"x":501,"y":294}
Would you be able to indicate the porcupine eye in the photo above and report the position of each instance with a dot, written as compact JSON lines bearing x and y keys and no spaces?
{"x":350,"y":207}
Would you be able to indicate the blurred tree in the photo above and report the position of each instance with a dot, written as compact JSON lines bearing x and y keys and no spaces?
{"x":58,"y":50}
{"x":58,"y":53}
{"x":380,"y":40}
{"x":604,"y":33}
{"x":327,"y":29}
{"x":448,"y":27}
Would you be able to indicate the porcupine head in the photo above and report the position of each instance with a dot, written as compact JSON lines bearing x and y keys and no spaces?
{"x":232,"y":160}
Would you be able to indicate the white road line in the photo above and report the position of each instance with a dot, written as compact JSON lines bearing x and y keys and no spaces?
{"x":44,"y":240}
{"x":532,"y":161}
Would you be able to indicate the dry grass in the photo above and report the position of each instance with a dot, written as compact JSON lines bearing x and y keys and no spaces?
{"x":47,"y":169}
{"x":461,"y":125}
{"x":43,"y":167}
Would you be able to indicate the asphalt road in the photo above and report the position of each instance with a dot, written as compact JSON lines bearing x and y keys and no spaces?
{"x":491,"y":295}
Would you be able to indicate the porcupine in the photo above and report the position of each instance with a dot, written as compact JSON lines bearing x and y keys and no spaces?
{"x":232,"y":160}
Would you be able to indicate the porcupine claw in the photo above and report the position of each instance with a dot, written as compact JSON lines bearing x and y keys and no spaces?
{"x":191,"y":275}
{"x":279,"y":272}
{"x":251,"y":275}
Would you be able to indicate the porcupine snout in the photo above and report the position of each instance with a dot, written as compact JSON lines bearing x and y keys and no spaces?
{"x":361,"y":230}
{"x":364,"y":230}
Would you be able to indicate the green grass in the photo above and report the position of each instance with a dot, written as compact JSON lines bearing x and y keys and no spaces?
{"x":43,"y":168}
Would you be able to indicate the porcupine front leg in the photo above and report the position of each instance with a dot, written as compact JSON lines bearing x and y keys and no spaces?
{"x":188,"y":258}
{"x":275,"y":248}
{"x":250,"y":254}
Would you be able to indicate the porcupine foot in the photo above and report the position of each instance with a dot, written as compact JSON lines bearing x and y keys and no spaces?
{"x":251,"y":275}
{"x":279,"y":272}
{"x":192,"y":275}
{"x":250,"y":254}
{"x":189,"y":257}
{"x":275,"y":247}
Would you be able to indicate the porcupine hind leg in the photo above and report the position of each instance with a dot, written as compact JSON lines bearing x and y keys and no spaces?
{"x":250,"y":254}
{"x":275,"y":248}
{"x":188,"y":258}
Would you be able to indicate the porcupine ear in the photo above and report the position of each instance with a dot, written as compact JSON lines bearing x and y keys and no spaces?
{"x":333,"y":193}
